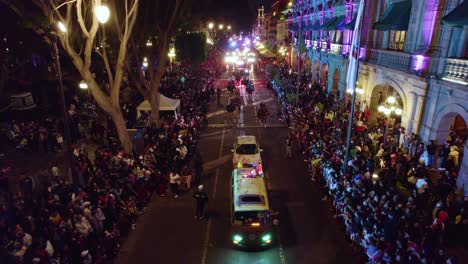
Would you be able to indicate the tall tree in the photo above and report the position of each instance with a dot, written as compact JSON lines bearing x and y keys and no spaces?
{"x":84,"y":37}
{"x":159,"y":20}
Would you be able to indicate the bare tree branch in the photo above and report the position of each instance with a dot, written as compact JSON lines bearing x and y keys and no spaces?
{"x":90,"y":39}
{"x":81,"y":22}
{"x":67,"y":2}
{"x":120,"y":65}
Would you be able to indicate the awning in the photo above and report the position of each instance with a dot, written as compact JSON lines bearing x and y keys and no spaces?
{"x":395,"y":17}
{"x":327,"y":23}
{"x":266,"y":52}
{"x":165,"y":104}
{"x":351,"y":24}
{"x":316,"y":26}
{"x":458,"y":17}
{"x":286,"y":11}
{"x":334,"y":23}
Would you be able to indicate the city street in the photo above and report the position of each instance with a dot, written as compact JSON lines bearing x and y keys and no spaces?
{"x":233,"y":132}
{"x":308,"y":233}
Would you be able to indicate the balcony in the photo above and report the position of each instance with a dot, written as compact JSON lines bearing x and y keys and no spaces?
{"x":339,"y":48}
{"x":315,"y":44}
{"x":391,"y":59}
{"x":456,"y":70}
{"x":324,"y":46}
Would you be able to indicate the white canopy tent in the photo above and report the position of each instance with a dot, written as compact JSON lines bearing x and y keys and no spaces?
{"x":165,"y":104}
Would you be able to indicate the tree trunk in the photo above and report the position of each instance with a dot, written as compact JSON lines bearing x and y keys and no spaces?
{"x":113,"y":109}
{"x":154,"y":96}
{"x":154,"y":102}
{"x":121,"y":128}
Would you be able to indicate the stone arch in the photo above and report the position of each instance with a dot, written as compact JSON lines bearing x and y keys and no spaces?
{"x":308,"y":65}
{"x":315,"y":71}
{"x":378,"y":96}
{"x":396,"y":86}
{"x":336,"y":81}
{"x":446,"y":117}
{"x":324,"y":74}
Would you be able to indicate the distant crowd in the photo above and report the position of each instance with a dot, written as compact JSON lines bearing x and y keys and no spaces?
{"x":393,"y":201}
{"x":86,"y":220}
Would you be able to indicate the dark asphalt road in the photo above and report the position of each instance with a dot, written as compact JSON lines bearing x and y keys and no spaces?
{"x":168,"y":232}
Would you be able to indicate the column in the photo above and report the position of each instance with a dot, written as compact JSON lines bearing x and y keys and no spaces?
{"x":419,"y":114}
{"x":412,"y":103}
{"x":415,"y":25}
{"x":462,"y":180}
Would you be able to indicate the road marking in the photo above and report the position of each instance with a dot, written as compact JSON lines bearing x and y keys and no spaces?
{"x":215,"y":188}
{"x":263,"y":101}
{"x":219,"y":112}
{"x":211,"y":134}
{"x":210,"y":165}
{"x":241,"y":116}
{"x":281,"y":250}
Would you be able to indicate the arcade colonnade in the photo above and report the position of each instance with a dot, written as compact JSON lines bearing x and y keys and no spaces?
{"x":431,"y":107}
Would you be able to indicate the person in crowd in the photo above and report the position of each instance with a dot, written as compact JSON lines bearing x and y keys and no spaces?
{"x":84,"y":221}
{"x":385,"y":197}
{"x":201,"y":198}
{"x":174,"y":181}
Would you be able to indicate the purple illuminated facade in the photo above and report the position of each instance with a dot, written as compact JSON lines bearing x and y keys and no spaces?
{"x":414,"y":50}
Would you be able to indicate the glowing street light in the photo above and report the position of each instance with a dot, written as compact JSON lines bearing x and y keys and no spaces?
{"x":61,"y":27}
{"x":211,"y":25}
{"x":102,"y":13}
{"x":83,"y":85}
{"x":171,"y":55}
{"x":221,"y":26}
{"x":229,"y":27}
{"x":145,"y":62}
{"x":387,"y":110}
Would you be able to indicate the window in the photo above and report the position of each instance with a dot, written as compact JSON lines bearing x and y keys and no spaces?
{"x":396,"y":40}
{"x":247,"y":217}
{"x":252,"y":199}
{"x":247,"y":149}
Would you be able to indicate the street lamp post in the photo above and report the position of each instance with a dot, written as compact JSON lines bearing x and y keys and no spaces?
{"x":102,"y":13}
{"x":388,"y":108}
{"x":84,"y":86}
{"x":171,"y":55}
{"x":66,"y":123}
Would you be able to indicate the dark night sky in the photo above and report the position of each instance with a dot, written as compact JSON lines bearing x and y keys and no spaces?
{"x":241,"y":13}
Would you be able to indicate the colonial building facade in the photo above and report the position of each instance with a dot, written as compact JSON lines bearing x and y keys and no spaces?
{"x":414,"y":50}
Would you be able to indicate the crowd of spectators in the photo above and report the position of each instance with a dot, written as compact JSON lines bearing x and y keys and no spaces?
{"x":85,"y":221}
{"x":393,"y":201}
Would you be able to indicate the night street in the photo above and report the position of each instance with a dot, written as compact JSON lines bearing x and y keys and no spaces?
{"x":307,"y":233}
{"x":233,"y":132}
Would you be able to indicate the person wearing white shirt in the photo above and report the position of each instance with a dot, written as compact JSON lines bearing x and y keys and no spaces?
{"x":421,"y":185}
{"x":174,"y":180}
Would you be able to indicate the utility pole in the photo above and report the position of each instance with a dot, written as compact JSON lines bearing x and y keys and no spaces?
{"x":354,"y":53}
{"x":66,"y":125}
